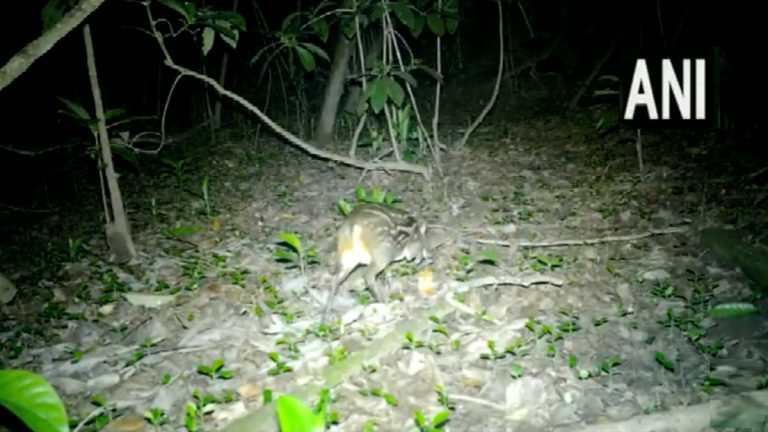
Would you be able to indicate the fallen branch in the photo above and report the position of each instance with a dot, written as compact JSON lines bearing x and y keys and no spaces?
{"x":293,"y":139}
{"x":584,"y":242}
{"x":522,"y":280}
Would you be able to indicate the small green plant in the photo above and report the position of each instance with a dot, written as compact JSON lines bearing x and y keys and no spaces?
{"x":291,"y":250}
{"x":712,"y":381}
{"x":608,"y":365}
{"x":443,"y":399}
{"x":389,"y":398}
{"x":193,"y":270}
{"x":373,"y":196}
{"x":75,"y":249}
{"x":156,"y":417}
{"x":237,"y":276}
{"x":581,"y":374}
{"x":435,"y":425}
{"x":191,"y":417}
{"x":546,"y":262}
{"x":411,"y":343}
{"x":321,"y":408}
{"x":215,"y":370}
{"x":76,"y":354}
{"x":179,"y":170}
{"x":203,"y":404}
{"x":281,"y":367}
{"x":339,"y":355}
{"x":465,"y":264}
{"x":664,"y":361}
{"x":178,"y":232}
{"x":492,"y":353}
{"x":144,"y":351}
{"x":291,"y":344}
{"x":107,"y":413}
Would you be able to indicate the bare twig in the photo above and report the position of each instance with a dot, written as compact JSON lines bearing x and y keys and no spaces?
{"x":35,"y":49}
{"x":496,"y":87}
{"x":584,"y":242}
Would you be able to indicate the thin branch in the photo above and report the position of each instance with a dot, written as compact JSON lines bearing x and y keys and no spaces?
{"x":23,"y":59}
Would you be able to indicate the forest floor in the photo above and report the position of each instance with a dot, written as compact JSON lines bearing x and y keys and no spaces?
{"x":515,"y":331}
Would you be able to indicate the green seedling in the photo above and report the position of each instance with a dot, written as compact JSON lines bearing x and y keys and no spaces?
{"x":538,"y":330}
{"x":156,"y":417}
{"x":546,"y":262}
{"x":75,"y":249}
{"x":569,"y":326}
{"x":161,"y":285}
{"x":237,"y":276}
{"x":194,"y":273}
{"x":389,"y":398}
{"x":492,"y":353}
{"x":219,"y":260}
{"x":321,"y":407}
{"x":712,"y":381}
{"x":581,"y":374}
{"x":191,"y":416}
{"x":179,"y":170}
{"x":608,"y":365}
{"x":375,"y":138}
{"x":144,"y":351}
{"x":463,"y":268}
{"x":411,"y":343}
{"x":176,"y":233}
{"x":663,"y":290}
{"x":465,"y":264}
{"x":215,"y":370}
{"x":204,"y":404}
{"x":340,"y":354}
{"x":291,"y":345}
{"x":443,"y":399}
{"x":664,"y":361}
{"x":435,"y":425}
{"x":517,"y":370}
{"x":291,"y":250}
{"x":326,"y":331}
{"x":281,"y":367}
{"x":712,"y":349}
{"x":75,"y":354}
{"x":106,"y":413}
{"x":440,"y":327}
{"x":551,"y":350}
{"x":622,"y":311}
{"x":375,"y":195}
